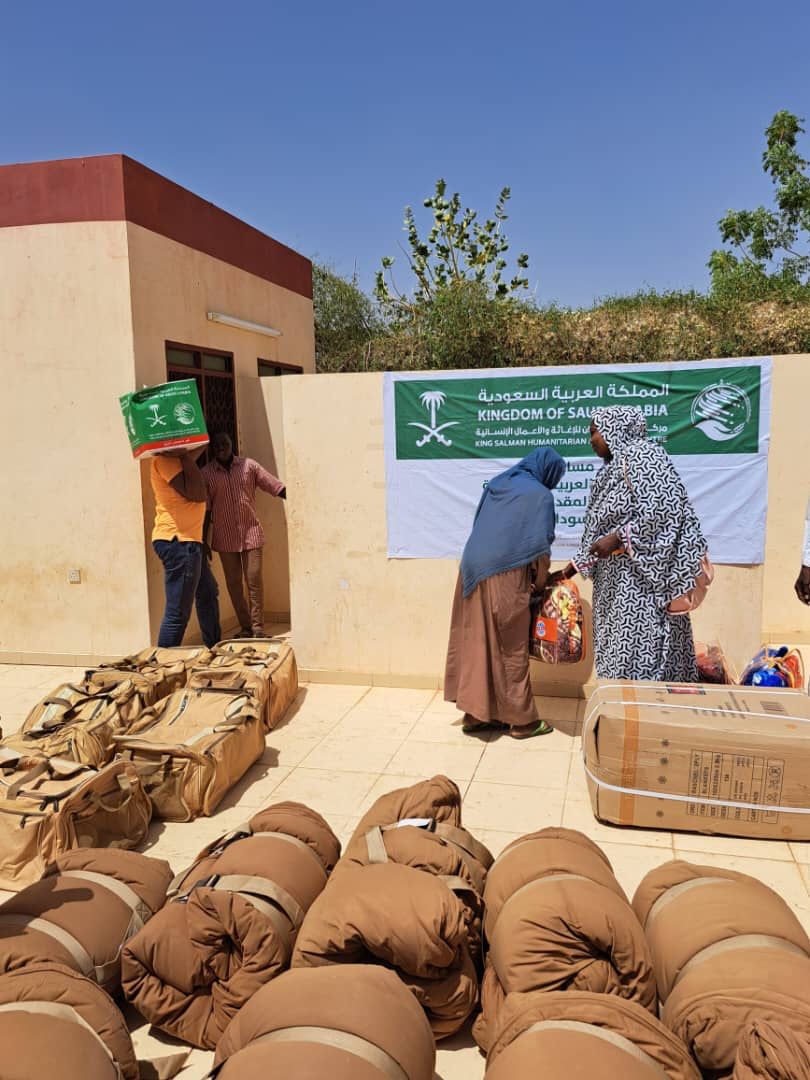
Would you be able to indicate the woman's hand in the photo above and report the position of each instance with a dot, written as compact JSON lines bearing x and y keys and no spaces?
{"x":561,"y":575}
{"x":606,"y":546}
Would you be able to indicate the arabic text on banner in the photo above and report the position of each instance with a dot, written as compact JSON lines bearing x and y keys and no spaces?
{"x":448,"y":433}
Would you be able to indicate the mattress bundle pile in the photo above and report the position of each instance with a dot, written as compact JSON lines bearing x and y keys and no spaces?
{"x":557,"y":919}
{"x":230,"y":924}
{"x":407,"y":895}
{"x":350,"y":1022}
{"x":732,"y":964}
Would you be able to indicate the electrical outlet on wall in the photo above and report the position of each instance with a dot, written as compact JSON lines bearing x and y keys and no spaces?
{"x":74,"y":576}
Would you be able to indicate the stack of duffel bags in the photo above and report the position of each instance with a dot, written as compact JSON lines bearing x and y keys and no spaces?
{"x":78,"y":786}
{"x":62,"y":783}
{"x":165,"y":732}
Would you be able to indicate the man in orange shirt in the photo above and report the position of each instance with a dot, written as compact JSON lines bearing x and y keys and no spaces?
{"x":178,"y":542}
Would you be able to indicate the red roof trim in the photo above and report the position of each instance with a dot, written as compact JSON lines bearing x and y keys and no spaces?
{"x":116,"y":188}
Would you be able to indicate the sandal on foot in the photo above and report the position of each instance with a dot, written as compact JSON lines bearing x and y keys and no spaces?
{"x":543,"y":727}
{"x":472,"y":727}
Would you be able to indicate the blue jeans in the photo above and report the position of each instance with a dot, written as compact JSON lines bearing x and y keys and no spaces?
{"x":187,"y":578}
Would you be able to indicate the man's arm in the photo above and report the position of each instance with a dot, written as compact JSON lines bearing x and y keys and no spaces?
{"x":189,"y":483}
{"x":802,"y":585}
{"x":269,"y":483}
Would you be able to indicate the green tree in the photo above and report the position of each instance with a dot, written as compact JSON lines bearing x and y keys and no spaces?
{"x":458,"y":250}
{"x":770,"y":248}
{"x":346,"y":321}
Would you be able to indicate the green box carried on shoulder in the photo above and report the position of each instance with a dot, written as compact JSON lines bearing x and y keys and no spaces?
{"x":164,"y":417}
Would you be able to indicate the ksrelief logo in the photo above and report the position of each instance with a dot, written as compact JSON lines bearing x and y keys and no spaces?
{"x":433,"y":400}
{"x":721,"y":411}
{"x":184,"y":413}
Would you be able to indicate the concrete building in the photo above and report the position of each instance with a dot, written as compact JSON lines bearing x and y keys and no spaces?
{"x":109,"y":276}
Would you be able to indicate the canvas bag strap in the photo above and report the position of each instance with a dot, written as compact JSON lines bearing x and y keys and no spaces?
{"x":612,"y":1037}
{"x":262,"y":887}
{"x":740,"y":941}
{"x":460,"y":838}
{"x":141,"y":912}
{"x":242,"y":832}
{"x":375,"y":846}
{"x":60,"y":768}
{"x":43,"y":925}
{"x":54,"y":1010}
{"x":674,"y":891}
{"x":275,"y":903}
{"x":341,"y":1040}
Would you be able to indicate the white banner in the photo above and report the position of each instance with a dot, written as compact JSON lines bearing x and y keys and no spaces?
{"x":447,"y":434}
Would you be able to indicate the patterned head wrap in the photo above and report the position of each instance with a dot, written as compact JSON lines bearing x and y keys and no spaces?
{"x":620,"y":425}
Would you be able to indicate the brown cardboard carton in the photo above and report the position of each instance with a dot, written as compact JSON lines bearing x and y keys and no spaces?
{"x":732,"y":760}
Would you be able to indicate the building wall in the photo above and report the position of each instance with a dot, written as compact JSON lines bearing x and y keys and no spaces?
{"x":173,"y":287}
{"x":355,"y":612}
{"x":68,"y":487}
{"x":783,"y":618}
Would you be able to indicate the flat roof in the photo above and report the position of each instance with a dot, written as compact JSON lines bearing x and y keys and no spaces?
{"x":114,"y":187}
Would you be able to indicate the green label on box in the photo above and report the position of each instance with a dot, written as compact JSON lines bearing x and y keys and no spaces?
{"x":164,"y":416}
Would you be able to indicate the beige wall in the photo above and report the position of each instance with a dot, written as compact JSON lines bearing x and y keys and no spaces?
{"x":356,"y":611}
{"x":783,"y":618}
{"x":173,"y":287}
{"x":69,"y":490}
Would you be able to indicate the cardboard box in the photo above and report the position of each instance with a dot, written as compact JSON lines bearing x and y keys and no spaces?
{"x":164,"y":417}
{"x":730,"y":760}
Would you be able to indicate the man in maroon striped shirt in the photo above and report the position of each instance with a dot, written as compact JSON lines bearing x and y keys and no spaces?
{"x":237,"y":534}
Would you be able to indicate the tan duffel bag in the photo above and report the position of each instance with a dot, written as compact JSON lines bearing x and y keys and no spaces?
{"x":78,"y":720}
{"x":49,"y":806}
{"x":168,"y":667}
{"x":191,"y":748}
{"x":273,"y":662}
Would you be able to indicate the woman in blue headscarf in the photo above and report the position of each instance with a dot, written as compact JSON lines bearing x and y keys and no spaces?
{"x":506,"y":558}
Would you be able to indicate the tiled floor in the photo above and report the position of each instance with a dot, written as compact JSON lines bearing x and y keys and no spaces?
{"x":342,"y":746}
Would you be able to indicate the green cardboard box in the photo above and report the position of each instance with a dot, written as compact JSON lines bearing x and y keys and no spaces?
{"x":164,"y":417}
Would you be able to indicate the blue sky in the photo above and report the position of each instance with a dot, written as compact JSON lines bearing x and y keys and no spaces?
{"x":624,"y":130}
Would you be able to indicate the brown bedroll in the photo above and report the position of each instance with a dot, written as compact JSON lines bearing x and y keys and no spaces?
{"x":230,"y":923}
{"x":78,"y":721}
{"x":55,"y":1023}
{"x":271,"y":663}
{"x":727,"y":952}
{"x":352,"y":1022}
{"x":82,"y":911}
{"x":557,"y":919}
{"x":49,"y":806}
{"x":773,"y":1052}
{"x":419,"y":826}
{"x":577,"y":1035}
{"x":407,"y":894}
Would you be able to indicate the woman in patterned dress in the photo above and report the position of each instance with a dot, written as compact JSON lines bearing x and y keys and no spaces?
{"x":506,"y":557}
{"x":642,"y":544}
